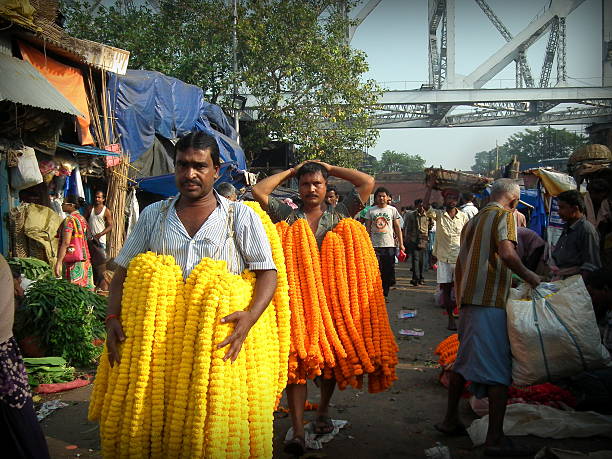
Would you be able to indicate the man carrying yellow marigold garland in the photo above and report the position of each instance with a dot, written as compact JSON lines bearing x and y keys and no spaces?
{"x":312,"y":179}
{"x":194,"y":225}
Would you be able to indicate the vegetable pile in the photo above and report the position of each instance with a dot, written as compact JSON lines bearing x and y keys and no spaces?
{"x":172,"y":394}
{"x":339,"y":322}
{"x":31,"y":268}
{"x":65,"y":317}
{"x":48,"y":370}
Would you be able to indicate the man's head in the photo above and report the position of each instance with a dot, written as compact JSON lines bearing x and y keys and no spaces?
{"x":506,"y":192}
{"x":571,"y":205}
{"x":331,"y":197}
{"x":381,"y":196}
{"x":197,"y":164}
{"x":418,"y":204}
{"x":228,"y":191}
{"x":99,"y":198}
{"x":451,"y":198}
{"x":468,"y":197}
{"x":598,"y":189}
{"x":312,"y":183}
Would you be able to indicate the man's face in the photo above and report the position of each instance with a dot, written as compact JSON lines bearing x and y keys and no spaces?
{"x":99,"y":198}
{"x":331,"y":198}
{"x":382,"y":199}
{"x":313,"y":188}
{"x":420,"y":207}
{"x":195,"y":173}
{"x":566,"y":212}
{"x":450,"y":200}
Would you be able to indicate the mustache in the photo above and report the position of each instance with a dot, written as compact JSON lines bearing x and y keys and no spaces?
{"x":191,"y":182}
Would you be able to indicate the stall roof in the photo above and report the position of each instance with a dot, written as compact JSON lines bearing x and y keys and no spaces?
{"x":23,"y":84}
{"x":86,"y":149}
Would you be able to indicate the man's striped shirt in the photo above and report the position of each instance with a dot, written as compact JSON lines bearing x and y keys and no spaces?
{"x":481,"y":277}
{"x":156,"y":233}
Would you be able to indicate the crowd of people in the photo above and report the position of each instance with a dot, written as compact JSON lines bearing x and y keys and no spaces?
{"x":475,"y":250}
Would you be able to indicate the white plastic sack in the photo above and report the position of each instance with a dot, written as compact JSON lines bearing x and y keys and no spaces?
{"x":545,"y":422}
{"x":26,"y":173}
{"x":553,"y":335}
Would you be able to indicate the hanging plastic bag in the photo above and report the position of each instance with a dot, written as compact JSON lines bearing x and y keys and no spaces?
{"x":26,"y":174}
{"x":553,"y":334}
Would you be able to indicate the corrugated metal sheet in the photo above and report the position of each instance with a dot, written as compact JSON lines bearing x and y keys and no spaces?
{"x":23,"y":84}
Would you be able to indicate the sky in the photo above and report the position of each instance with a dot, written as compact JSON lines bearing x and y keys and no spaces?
{"x":394,"y":37}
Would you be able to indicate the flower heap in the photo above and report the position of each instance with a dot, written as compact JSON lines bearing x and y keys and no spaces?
{"x":173,"y":395}
{"x":447,"y":350}
{"x":339,"y":322}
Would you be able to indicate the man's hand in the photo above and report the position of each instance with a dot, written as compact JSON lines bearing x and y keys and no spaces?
{"x":97,"y":236}
{"x":114,"y":336}
{"x":58,"y":270}
{"x":430,"y":181}
{"x":402,"y":248}
{"x":297,"y":168}
{"x":243,"y":321}
{"x":532,"y":279}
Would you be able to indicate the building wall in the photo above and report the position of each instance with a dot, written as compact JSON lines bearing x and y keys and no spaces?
{"x":407,"y":191}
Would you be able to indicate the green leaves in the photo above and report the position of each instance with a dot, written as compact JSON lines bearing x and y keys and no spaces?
{"x":393,"y":161}
{"x":292,"y":55}
{"x":65,"y":317}
{"x":530,"y":147}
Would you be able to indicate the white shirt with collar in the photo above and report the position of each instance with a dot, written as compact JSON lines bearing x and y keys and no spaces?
{"x":251,"y":248}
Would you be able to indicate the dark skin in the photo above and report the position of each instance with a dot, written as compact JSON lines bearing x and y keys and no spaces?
{"x":450,"y":206}
{"x":313,"y":190}
{"x":498,"y":394}
{"x":195,"y":175}
{"x":571,"y":214}
{"x":108,"y":218}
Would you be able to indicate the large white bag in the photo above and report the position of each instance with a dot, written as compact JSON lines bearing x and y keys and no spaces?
{"x":553,"y":332}
{"x":27,"y":172}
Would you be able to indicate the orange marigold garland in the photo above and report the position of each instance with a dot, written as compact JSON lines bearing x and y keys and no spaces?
{"x":339,"y":322}
{"x":447,"y":350}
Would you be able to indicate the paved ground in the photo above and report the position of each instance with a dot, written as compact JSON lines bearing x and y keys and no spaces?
{"x":395,"y":424}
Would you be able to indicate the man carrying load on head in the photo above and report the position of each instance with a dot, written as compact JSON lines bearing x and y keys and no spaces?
{"x":193,"y":225}
{"x":449,"y":223}
{"x":322,"y":218}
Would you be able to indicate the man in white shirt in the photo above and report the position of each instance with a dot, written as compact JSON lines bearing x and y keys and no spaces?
{"x":468,"y":207}
{"x":383,"y":224}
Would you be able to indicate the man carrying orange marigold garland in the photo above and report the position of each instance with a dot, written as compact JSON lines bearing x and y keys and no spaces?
{"x":194,"y":225}
{"x":322,"y":218}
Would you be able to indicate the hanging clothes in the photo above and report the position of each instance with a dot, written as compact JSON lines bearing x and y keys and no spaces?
{"x":133,"y":211}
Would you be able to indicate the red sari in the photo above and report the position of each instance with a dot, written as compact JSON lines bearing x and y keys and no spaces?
{"x":80,"y":272}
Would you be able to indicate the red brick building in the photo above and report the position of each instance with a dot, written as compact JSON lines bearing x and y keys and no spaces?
{"x":405,"y":188}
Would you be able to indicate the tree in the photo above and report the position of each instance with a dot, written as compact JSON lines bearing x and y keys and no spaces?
{"x":295,"y":60}
{"x":530,"y":147}
{"x":393,"y":161}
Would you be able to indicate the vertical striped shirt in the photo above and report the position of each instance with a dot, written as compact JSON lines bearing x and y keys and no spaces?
{"x":481,"y":277}
{"x":248,"y":248}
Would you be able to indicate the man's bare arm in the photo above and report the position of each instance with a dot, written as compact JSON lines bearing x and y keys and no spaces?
{"x":114,"y":331}
{"x":263,"y":189}
{"x":510,"y":258}
{"x":363,"y":183}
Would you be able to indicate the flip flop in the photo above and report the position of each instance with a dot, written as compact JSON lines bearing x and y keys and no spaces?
{"x":323,"y":425}
{"x":458,"y":431}
{"x":296,"y":446}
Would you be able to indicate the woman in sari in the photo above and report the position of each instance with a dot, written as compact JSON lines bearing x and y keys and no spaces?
{"x":73,"y":259}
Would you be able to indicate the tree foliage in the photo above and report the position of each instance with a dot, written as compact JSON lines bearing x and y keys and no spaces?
{"x":530,"y":147}
{"x":393,"y":161}
{"x":292,"y":56}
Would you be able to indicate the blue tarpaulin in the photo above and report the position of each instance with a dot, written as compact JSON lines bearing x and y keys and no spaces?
{"x":538,"y":220}
{"x":146,"y":103}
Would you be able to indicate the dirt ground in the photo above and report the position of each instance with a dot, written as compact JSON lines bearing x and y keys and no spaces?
{"x":394,"y":424}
